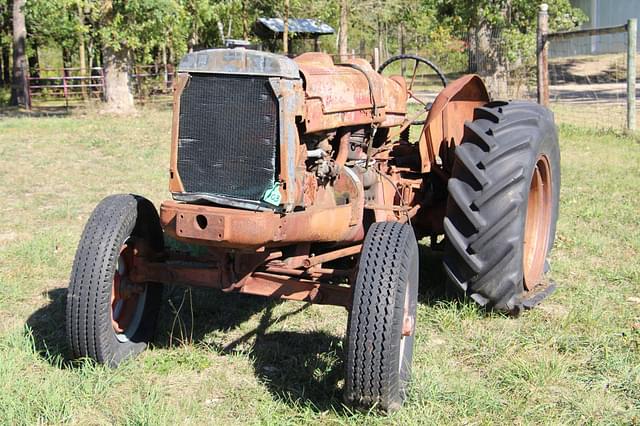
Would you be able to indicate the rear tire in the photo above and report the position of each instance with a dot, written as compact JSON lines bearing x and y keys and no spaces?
{"x":382,"y":320}
{"x":503,"y":204}
{"x":109,"y":320}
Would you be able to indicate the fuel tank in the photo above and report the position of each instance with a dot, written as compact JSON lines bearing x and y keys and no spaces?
{"x":348,"y":94}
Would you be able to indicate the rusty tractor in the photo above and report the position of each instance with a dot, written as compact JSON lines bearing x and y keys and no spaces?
{"x":299,"y":179}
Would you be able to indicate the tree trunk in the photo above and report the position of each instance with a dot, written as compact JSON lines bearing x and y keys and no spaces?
{"x":379,"y":41}
{"x":81,"y":51}
{"x":245,"y":21}
{"x":285,"y":32}
{"x":118,"y":97}
{"x":343,"y":45}
{"x":193,"y":40}
{"x":401,"y":43}
{"x":489,"y":60}
{"x":20,"y":64}
{"x":6,"y":71}
{"x":66,"y":58}
{"x":34,"y":63}
{"x":165,"y":74}
{"x":3,"y":66}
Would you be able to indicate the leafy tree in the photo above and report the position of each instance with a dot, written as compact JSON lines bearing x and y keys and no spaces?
{"x":127,"y":26}
{"x":53,"y":22}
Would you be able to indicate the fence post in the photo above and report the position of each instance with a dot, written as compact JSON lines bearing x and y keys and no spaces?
{"x":542,"y":54}
{"x":632,"y":30}
{"x":103,"y":85}
{"x":65,"y":90}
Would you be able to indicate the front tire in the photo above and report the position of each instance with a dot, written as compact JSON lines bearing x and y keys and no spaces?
{"x":503,"y":204}
{"x":108,"y":318}
{"x":382,"y":320}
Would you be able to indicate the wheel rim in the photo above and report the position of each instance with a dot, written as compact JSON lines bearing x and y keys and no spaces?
{"x":538,"y":223}
{"x":127,"y":299}
{"x":408,"y":323}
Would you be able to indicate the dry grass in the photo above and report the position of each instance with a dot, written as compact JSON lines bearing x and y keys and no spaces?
{"x":576,"y":359}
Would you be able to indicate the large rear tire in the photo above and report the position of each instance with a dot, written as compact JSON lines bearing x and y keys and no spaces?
{"x":382,"y":320}
{"x":503,"y":204}
{"x":108,"y":318}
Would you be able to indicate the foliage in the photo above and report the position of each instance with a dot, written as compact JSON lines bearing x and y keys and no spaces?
{"x":138,"y":25}
{"x":433,"y":27}
{"x":446,"y":50}
{"x":5,"y":21}
{"x":499,"y":14}
{"x":53,"y":22}
{"x":514,"y":20}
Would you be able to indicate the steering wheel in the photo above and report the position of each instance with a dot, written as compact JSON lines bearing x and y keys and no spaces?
{"x":417,"y":61}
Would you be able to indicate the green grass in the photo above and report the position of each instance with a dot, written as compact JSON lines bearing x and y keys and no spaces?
{"x":575,"y":359}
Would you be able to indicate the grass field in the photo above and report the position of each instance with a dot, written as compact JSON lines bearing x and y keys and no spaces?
{"x":231,"y":359}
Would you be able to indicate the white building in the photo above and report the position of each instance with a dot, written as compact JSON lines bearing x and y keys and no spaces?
{"x":601,"y":13}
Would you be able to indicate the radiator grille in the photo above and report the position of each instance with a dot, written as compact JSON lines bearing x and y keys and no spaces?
{"x":227,"y":138}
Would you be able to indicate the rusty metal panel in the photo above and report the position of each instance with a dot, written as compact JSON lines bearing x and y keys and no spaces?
{"x":254,"y":229}
{"x":395,"y":90}
{"x":290,"y":101}
{"x":444,"y":127}
{"x":239,"y":61}
{"x":175,"y":183}
{"x":190,"y":224}
{"x":339,"y":96}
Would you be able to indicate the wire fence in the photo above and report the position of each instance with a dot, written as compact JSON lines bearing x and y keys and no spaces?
{"x":506,"y":64}
{"x":588,"y":78}
{"x":583,"y":73}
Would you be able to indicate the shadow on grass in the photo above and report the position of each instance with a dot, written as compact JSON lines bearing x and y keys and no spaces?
{"x":299,"y":368}
{"x":433,"y":278}
{"x":15,"y":112}
{"x":47,"y":325}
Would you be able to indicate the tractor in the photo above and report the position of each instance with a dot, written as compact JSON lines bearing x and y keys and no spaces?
{"x":314,"y":181}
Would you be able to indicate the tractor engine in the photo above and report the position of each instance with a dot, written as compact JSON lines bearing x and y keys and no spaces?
{"x":262,"y":132}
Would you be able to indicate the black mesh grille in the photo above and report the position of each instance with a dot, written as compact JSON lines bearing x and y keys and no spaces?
{"x":227,"y":136}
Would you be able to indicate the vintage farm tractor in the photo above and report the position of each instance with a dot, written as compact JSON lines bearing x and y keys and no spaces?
{"x":298,"y":179}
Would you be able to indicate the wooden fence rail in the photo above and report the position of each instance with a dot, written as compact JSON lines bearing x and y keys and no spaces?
{"x":66,"y":84}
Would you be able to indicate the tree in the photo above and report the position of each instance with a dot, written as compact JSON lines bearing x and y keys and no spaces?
{"x":502,"y":31}
{"x":343,"y":30}
{"x":128,"y":27}
{"x":20,"y":63}
{"x":5,"y":41}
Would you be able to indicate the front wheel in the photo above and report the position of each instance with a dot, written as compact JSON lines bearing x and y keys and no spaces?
{"x":382,"y":320}
{"x":109,"y":318}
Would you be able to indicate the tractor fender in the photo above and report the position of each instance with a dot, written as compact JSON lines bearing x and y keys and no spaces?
{"x":444,"y":127}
